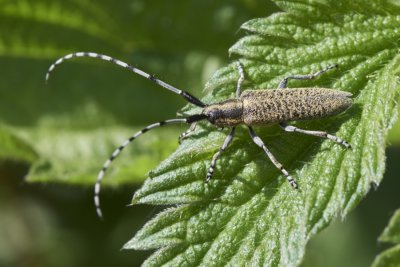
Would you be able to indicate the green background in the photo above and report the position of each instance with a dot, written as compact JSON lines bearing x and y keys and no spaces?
{"x":183,"y":43}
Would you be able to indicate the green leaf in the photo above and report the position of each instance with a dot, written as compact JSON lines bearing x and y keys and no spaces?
{"x":32,"y":28}
{"x":15,"y":149}
{"x":45,"y":29}
{"x":248,"y":214}
{"x":391,"y":234}
{"x":75,"y":157}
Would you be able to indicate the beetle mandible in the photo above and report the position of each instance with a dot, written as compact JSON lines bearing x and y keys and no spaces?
{"x":252,"y":107}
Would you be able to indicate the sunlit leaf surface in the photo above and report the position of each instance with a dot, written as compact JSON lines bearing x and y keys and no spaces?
{"x":248,"y":214}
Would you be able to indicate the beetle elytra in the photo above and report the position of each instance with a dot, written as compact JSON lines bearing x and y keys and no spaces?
{"x":250,"y":108}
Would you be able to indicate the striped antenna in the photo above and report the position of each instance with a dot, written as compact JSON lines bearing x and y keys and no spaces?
{"x":188,"y":97}
{"x":118,"y":151}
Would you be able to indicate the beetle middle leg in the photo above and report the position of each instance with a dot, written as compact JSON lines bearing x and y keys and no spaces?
{"x":289,"y":128}
{"x":284,"y":82}
{"x":257,"y":140}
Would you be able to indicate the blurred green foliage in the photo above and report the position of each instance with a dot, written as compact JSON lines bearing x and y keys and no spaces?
{"x":65,"y":131}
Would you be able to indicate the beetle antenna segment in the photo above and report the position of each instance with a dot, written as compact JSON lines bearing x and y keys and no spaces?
{"x":187,"y":96}
{"x":118,"y":151}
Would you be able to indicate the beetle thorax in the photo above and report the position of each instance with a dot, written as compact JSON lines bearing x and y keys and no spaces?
{"x":225,"y":114}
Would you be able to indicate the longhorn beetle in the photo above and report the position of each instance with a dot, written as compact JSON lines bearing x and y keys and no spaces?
{"x":252,"y":107}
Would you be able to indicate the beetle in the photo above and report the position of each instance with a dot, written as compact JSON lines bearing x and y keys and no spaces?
{"x":250,"y":108}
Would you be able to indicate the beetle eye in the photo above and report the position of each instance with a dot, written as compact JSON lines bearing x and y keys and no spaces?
{"x":211,"y":118}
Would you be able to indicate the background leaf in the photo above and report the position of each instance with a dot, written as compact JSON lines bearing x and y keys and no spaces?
{"x":248,"y":215}
{"x":391,"y":234}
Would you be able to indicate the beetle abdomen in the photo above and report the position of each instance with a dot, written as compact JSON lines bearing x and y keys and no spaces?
{"x":278,"y":105}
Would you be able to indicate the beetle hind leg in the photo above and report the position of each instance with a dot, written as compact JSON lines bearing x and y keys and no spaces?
{"x":311,"y":76}
{"x":289,"y":128}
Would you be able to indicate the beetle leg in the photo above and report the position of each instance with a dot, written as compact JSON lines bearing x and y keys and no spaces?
{"x":257,"y":140}
{"x":240,"y":80}
{"x":283,"y":83}
{"x":215,"y":158}
{"x":186,"y":133}
{"x":290,"y":128}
